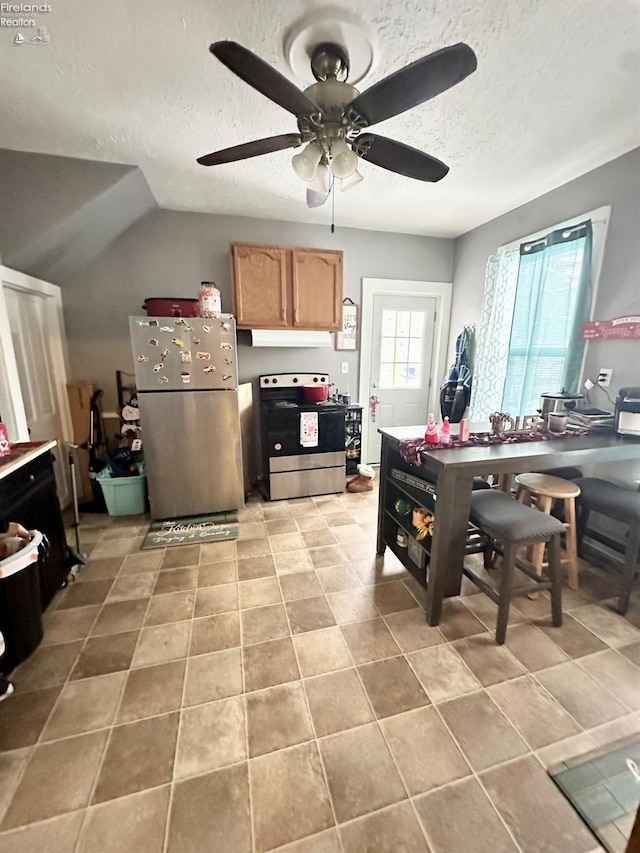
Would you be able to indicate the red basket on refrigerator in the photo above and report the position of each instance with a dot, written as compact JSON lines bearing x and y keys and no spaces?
{"x":167,"y":306}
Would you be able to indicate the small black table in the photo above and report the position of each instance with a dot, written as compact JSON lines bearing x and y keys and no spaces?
{"x":452,"y":471}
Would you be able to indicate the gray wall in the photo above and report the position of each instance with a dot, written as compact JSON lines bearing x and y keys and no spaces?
{"x":617,"y":184}
{"x":168,"y":253}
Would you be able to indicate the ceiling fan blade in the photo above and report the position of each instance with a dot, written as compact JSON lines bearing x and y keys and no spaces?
{"x":398,"y":157}
{"x":263,"y":77}
{"x":414,"y":84}
{"x":251,"y":149}
{"x":316,"y":199}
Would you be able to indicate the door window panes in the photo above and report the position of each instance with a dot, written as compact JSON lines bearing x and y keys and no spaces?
{"x":401,"y":349}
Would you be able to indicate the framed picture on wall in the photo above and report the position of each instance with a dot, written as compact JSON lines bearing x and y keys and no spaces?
{"x":347,"y":339}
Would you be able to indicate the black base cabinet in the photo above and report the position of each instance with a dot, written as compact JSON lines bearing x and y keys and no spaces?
{"x":29,"y":497}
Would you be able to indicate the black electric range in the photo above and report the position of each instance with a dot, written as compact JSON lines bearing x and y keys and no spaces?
{"x":303,"y":443}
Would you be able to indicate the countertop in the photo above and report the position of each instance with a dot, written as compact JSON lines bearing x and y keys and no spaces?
{"x":22,"y":454}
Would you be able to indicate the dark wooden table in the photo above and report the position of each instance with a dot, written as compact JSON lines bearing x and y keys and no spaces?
{"x":453,"y":471}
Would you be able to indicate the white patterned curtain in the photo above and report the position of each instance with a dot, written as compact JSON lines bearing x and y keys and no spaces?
{"x":492,"y":350}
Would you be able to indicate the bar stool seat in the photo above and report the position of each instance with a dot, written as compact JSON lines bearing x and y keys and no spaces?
{"x":510,"y":525}
{"x":546,"y":489}
{"x":619,"y":503}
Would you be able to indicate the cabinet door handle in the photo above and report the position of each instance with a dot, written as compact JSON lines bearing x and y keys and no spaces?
{"x":282,"y":314}
{"x":295,"y":315}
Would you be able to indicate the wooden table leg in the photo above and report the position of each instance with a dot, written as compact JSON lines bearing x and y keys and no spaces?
{"x":537,"y":552}
{"x":570,"y":541}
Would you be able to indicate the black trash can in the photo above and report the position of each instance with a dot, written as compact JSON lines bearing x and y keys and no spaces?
{"x":20,"y":607}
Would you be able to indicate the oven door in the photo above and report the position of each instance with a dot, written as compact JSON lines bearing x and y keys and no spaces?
{"x":282,"y":432}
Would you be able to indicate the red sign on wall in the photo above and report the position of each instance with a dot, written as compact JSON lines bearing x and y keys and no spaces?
{"x":622,"y":328}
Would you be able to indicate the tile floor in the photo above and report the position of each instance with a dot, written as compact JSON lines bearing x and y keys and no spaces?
{"x":284,"y":692}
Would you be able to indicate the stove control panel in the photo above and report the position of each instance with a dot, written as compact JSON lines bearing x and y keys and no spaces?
{"x":292,"y":380}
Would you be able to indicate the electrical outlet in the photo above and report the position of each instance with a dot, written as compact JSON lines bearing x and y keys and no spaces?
{"x":588,"y":384}
{"x":345,"y":366}
{"x":604,"y":377}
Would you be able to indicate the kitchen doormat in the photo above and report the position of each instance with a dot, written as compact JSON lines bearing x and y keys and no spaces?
{"x":192,"y":530}
{"x":603,"y":786}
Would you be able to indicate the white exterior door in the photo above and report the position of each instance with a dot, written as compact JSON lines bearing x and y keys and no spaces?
{"x":34,"y":377}
{"x":403,"y":337}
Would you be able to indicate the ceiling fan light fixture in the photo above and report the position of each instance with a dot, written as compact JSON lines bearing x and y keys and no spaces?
{"x":344,"y":161}
{"x":322,"y":180}
{"x":352,"y":181}
{"x":305,"y":164}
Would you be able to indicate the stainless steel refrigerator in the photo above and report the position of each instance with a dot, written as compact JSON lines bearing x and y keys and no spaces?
{"x":187,"y":384}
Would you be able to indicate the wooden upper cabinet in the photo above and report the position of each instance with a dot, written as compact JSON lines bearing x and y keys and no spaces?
{"x":317,"y":289}
{"x":276,"y":287}
{"x":261,"y":286}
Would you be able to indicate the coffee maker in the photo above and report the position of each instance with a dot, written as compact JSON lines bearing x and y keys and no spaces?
{"x":628,"y":412}
{"x":556,"y":402}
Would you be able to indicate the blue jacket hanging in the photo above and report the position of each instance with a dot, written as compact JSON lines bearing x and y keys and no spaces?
{"x":455,"y":390}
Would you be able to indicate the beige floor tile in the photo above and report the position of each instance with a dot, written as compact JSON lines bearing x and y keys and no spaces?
{"x":337,"y":702}
{"x":324,"y":842}
{"x":318,"y":538}
{"x":214,"y":633}
{"x":330,"y":506}
{"x":487,"y":611}
{"x":128,"y":825}
{"x":489,"y":662}
{"x":217,"y":552}
{"x":349,"y":533}
{"x":263,"y":623}
{"x":338,"y":578}
{"x":304,"y":509}
{"x":538,"y":718}
{"x":268,"y":664}
{"x":360,"y":772}
{"x":386,"y":831}
{"x":286,"y":542}
{"x":185,"y":555}
{"x":194,"y":826}
{"x":102,"y":569}
{"x":631,"y":652}
{"x":248,"y":548}
{"x":528,"y":801}
{"x":352,"y":605}
{"x":161,"y":643}
{"x":289,"y":797}
{"x":83,"y":594}
{"x":300,"y":585}
{"x":139,"y":755}
{"x":47,"y":666}
{"x":24,"y":716}
{"x":442,"y":673}
{"x":280,"y":509}
{"x":212,"y":574}
{"x":368,"y":641}
{"x":563,"y":750}
{"x":216,"y":599}
{"x":311,"y":522}
{"x":58,"y":835}
{"x":84,"y":706}
{"x":458,"y":621}
{"x":481,"y":830}
{"x":484,"y":735}
{"x":277,"y":718}
{"x":532,"y":648}
{"x":170,"y":607}
{"x":252,"y":511}
{"x":64,"y":626}
{"x":616,"y":674}
{"x":607,"y":625}
{"x":309,"y":614}
{"x":572,"y":637}
{"x":392,"y":597}
{"x":58,"y":779}
{"x":587,"y":702}
{"x":152,"y":690}
{"x":329,"y":555}
{"x":129,"y":587}
{"x":256,"y":567}
{"x":292,"y":562}
{"x":12,"y":765}
{"x":173,"y":580}
{"x":211,"y":736}
{"x":258,"y":593}
{"x":122,"y":531}
{"x":615,"y":730}
{"x":253,"y":529}
{"x":120,"y":616}
{"x":111,"y":548}
{"x":374,"y":569}
{"x":144,"y":561}
{"x":321,"y":651}
{"x":392,"y":686}
{"x":411,"y":630}
{"x":102,"y":655}
{"x":412,"y":737}
{"x":277,"y":526}
{"x":213,"y":676}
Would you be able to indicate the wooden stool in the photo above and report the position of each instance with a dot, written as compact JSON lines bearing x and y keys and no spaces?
{"x":545,"y":489}
{"x":509,"y":525}
{"x":623,"y":505}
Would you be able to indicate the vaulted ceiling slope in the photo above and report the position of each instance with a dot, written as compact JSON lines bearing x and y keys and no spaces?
{"x":555,"y":95}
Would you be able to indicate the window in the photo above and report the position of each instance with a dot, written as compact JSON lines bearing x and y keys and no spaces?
{"x":401,"y":349}
{"x":538,"y":294}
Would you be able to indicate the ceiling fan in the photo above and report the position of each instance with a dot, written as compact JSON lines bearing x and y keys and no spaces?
{"x":333,"y":116}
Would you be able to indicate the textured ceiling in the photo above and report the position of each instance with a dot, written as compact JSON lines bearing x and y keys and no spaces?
{"x":555,"y":95}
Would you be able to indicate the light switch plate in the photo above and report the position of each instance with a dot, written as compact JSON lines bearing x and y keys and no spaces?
{"x":345,"y":366}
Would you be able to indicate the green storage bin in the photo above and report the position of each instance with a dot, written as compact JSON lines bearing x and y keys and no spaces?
{"x":123,"y":495}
